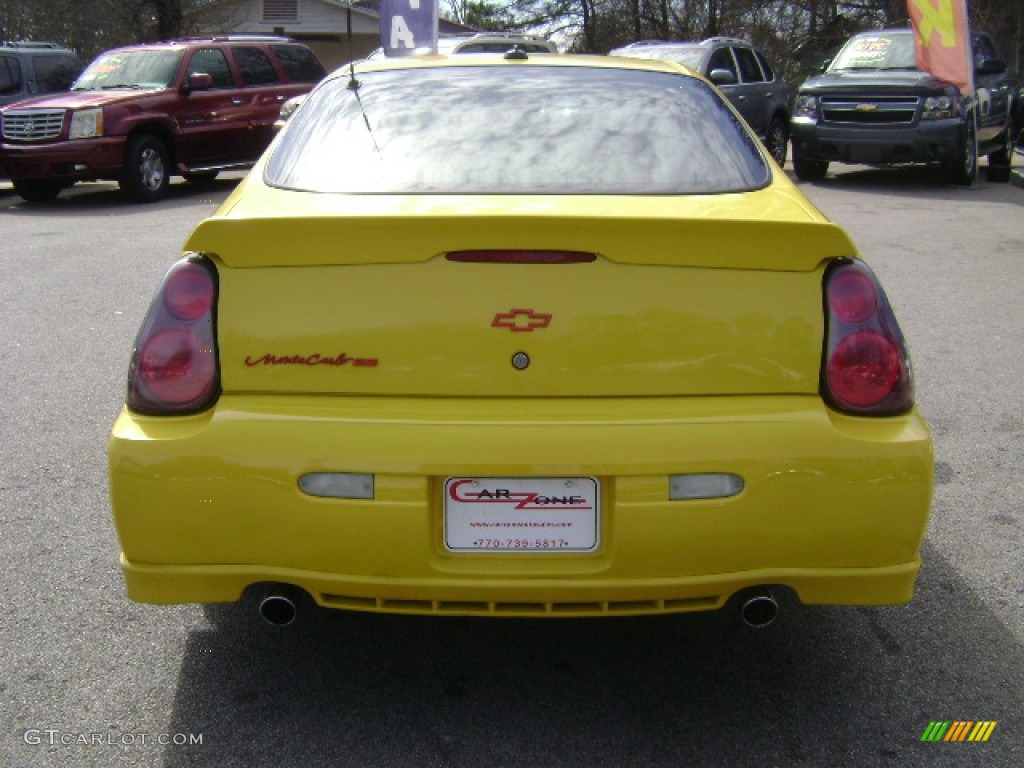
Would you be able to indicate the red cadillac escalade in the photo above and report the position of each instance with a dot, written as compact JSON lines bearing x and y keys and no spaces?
{"x":139,"y":115}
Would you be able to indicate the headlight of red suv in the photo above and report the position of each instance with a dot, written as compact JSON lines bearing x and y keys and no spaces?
{"x":86,"y":123}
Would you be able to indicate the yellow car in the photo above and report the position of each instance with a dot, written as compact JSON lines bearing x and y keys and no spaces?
{"x":519,"y":335}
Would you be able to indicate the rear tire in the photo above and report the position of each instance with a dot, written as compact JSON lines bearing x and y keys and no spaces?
{"x":38,"y":190}
{"x":776,"y":140}
{"x":146,"y":174}
{"x":810,"y":170}
{"x":963,"y":169}
{"x":1000,"y":162}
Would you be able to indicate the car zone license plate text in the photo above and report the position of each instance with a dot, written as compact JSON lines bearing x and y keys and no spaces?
{"x":547,"y":514}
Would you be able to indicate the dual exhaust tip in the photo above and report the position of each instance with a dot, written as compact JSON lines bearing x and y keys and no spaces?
{"x":278,"y":609}
{"x":758,"y":609}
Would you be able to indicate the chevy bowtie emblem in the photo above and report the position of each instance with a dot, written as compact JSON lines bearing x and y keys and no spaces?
{"x":521,"y":320}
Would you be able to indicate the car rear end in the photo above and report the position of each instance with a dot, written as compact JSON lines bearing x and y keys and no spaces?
{"x":531,"y":392}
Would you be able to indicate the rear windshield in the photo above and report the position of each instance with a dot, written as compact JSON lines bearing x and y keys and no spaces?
{"x":516,"y":130}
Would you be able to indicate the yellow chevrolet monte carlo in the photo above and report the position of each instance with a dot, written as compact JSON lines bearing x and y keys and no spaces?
{"x":519,"y":335}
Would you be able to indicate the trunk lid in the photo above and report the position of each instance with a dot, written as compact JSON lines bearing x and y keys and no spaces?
{"x":357,"y":296}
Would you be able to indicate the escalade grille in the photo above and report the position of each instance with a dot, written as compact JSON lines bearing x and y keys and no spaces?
{"x":33,"y":124}
{"x":887,"y":110}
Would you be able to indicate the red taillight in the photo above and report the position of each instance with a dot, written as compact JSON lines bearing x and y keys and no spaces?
{"x":866,"y":369}
{"x":852,"y":296}
{"x":188,"y":293}
{"x":174,"y":367}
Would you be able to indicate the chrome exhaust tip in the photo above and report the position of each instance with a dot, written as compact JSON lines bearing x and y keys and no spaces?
{"x":278,"y":610}
{"x":759,"y":610}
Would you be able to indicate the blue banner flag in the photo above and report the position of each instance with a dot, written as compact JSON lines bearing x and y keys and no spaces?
{"x":408,"y":26}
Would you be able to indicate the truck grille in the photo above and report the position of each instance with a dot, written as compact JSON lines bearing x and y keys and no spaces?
{"x":33,"y":124}
{"x":869,"y":110}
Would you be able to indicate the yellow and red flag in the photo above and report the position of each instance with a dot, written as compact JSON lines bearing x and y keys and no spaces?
{"x":942,"y":40}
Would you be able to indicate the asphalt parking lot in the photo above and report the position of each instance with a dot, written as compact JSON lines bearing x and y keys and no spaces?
{"x":91,"y":679}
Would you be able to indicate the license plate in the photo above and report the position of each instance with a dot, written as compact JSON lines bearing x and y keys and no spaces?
{"x":865,"y":154}
{"x":522,"y":514}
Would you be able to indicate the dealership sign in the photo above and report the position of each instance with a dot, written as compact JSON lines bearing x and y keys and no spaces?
{"x":408,"y":26}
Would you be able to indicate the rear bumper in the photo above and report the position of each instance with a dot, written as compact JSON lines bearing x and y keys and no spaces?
{"x":79,"y":160}
{"x":931,"y":141}
{"x":527,"y":598}
{"x":833,"y":507}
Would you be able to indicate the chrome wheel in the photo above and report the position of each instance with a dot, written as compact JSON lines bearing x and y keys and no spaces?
{"x":145,"y":176}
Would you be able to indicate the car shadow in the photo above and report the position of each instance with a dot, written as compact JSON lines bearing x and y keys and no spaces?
{"x":919,"y":181}
{"x":105,"y":198}
{"x":821,"y":686}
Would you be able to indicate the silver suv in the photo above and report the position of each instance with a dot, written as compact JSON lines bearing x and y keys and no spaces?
{"x":743,"y":75}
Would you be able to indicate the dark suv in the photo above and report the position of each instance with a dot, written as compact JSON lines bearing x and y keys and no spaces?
{"x":30,"y":69}
{"x":137,"y":115}
{"x":744,"y":76}
{"x":873,"y":106}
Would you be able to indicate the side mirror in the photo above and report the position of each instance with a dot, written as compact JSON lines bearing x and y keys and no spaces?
{"x":825,"y":65}
{"x":991,"y":67}
{"x":722,"y":77}
{"x":198,"y":81}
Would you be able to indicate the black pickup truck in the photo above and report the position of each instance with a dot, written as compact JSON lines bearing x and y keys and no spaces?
{"x":872,"y":106}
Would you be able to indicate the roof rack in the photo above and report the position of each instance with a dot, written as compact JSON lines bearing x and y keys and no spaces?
{"x":253,"y":38}
{"x":29,"y":44}
{"x":725,"y":40}
{"x":731,"y":40}
{"x":232,"y":39}
{"x":502,"y":35}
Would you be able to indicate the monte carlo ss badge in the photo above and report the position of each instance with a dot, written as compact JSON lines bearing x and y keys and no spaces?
{"x":522,"y":514}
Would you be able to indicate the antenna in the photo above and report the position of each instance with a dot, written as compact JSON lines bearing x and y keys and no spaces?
{"x":353,"y":84}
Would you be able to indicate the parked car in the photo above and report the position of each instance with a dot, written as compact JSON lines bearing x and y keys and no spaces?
{"x":743,"y":74}
{"x":29,"y":69}
{"x":873,"y":106}
{"x":137,"y":115}
{"x":486,"y":42}
{"x":504,"y":336}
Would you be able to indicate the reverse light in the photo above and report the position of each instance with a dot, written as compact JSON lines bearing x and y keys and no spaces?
{"x":707,"y":485}
{"x":866,"y":369}
{"x":174,"y":367}
{"x":337,"y":485}
{"x":86,"y":123}
{"x":806,"y":106}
